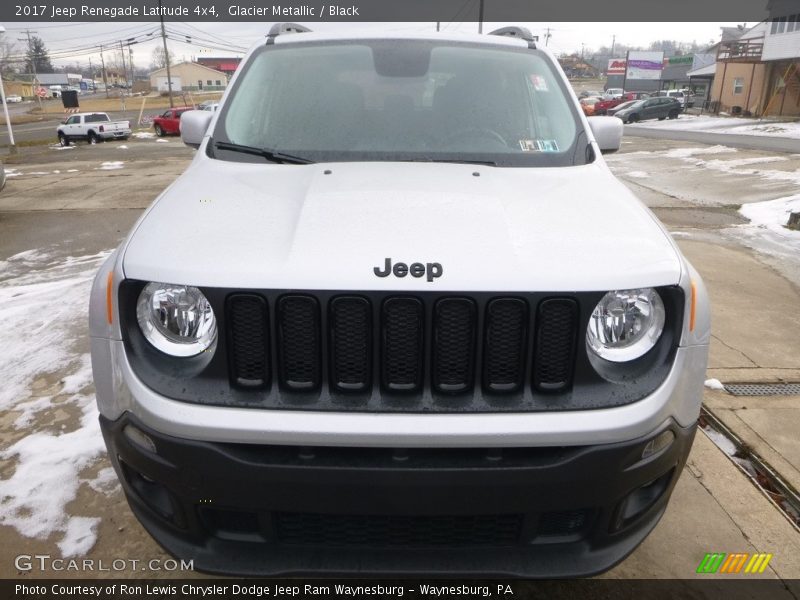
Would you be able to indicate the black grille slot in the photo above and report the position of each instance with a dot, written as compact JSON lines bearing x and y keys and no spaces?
{"x":564,"y":522}
{"x":504,"y":352}
{"x":402,"y":350}
{"x":556,"y":333}
{"x":453,"y":345}
{"x":397,"y":530}
{"x":248,"y":330}
{"x":299,"y":342}
{"x":351,"y":347}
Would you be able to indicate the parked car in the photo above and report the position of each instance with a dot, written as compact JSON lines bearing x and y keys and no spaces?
{"x":613,"y":93}
{"x":652,"y":108}
{"x":685,"y":97}
{"x":169,"y":122}
{"x":13,"y":98}
{"x":602,"y":107}
{"x":590,"y":94}
{"x":588,"y":104}
{"x":92,"y":127}
{"x":212,"y":106}
{"x":376,"y":327}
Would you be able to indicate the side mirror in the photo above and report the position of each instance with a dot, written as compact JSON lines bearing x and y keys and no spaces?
{"x":193,"y":126}
{"x":607,"y":132}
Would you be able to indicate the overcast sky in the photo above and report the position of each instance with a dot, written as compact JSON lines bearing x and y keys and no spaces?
{"x":78,"y":41}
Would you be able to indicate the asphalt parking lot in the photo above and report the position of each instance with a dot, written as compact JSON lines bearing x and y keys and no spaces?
{"x":63,"y":210}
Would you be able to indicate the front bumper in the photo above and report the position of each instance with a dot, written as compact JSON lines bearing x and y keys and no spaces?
{"x":257,"y":509}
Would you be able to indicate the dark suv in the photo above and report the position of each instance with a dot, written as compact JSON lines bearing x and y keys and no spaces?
{"x":650,"y":108}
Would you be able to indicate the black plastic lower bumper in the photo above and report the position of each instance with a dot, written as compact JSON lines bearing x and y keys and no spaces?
{"x":267,"y":510}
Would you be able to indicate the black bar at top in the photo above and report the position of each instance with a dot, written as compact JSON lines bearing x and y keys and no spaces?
{"x":308,"y":12}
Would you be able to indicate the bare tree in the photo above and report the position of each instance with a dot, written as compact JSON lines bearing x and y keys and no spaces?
{"x":159,"y":59}
{"x":8,"y":64}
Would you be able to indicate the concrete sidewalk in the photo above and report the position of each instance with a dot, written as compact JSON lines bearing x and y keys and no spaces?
{"x":755,"y":324}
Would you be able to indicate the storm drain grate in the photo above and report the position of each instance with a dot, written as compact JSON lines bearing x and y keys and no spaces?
{"x":763,"y":389}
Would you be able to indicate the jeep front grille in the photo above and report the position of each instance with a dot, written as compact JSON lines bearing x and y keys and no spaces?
{"x":402,"y":344}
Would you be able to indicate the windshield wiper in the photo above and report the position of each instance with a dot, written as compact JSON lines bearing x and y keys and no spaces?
{"x":457,"y":161}
{"x":270,"y":155}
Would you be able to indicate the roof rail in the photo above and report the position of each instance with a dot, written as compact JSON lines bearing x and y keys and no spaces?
{"x":522,"y":33}
{"x":280,"y":28}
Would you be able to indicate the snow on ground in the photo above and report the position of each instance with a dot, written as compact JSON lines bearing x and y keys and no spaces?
{"x":123,"y":147}
{"x":43,"y":302}
{"x":690,"y":152}
{"x":111,"y":165}
{"x":60,"y":147}
{"x":714,"y":384}
{"x":160,"y":141}
{"x":766,"y":231}
{"x":729,"y":125}
{"x":143,"y":135}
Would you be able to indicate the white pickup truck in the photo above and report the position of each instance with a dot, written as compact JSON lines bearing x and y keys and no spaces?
{"x":92,"y":127}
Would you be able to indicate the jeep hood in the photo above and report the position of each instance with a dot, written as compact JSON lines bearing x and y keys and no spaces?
{"x":327,"y":226}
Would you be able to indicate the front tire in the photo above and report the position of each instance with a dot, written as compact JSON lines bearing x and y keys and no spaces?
{"x":673,"y":114}
{"x":661,"y":118}
{"x":159,"y":130}
{"x":63,"y":140}
{"x":634,"y":118}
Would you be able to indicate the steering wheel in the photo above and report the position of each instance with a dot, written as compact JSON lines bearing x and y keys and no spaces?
{"x":483,"y":132}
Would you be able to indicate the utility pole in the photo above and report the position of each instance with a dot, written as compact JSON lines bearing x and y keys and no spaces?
{"x":130,"y":59}
{"x":437,"y":25}
{"x":613,"y":44}
{"x":166,"y":55}
{"x":28,"y":33}
{"x":105,"y":76}
{"x":547,"y":36}
{"x":124,"y":66}
{"x":480,"y":16}
{"x":12,"y":147}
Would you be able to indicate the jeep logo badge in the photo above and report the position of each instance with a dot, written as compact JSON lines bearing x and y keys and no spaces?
{"x":431,"y":270}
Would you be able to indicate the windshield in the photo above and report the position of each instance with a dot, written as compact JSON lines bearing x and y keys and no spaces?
{"x":401,"y":100}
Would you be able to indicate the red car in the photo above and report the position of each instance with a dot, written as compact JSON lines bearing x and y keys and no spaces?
{"x":603,"y":106}
{"x":170,"y":121}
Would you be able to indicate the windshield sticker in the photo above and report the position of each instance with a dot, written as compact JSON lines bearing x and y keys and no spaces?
{"x":538,"y":145}
{"x":539,"y":83}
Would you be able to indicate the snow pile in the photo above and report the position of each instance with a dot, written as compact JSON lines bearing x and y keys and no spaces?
{"x":773,"y":214}
{"x":160,"y":141}
{"x":714,"y":384}
{"x":727,"y":125}
{"x":60,"y":147}
{"x":123,"y":147}
{"x":43,"y":304}
{"x":638,"y":174}
{"x":143,"y":135}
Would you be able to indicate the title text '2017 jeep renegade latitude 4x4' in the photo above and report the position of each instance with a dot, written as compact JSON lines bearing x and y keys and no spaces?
{"x":379,"y":326}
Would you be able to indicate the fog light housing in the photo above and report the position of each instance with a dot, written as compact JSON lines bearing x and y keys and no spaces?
{"x":662,"y":441}
{"x":640,"y":500}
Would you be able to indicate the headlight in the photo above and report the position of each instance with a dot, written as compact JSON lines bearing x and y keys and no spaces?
{"x":176,"y":319}
{"x":625,"y":324}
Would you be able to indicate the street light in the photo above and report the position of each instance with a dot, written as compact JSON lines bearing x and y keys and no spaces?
{"x":12,"y":146}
